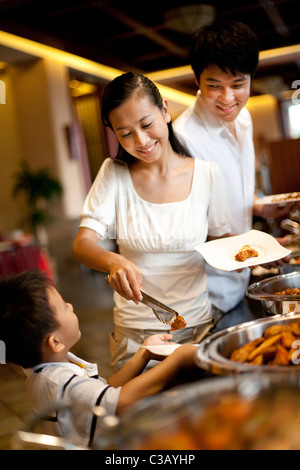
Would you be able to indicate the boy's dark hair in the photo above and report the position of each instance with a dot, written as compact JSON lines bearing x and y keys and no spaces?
{"x":232,"y":46}
{"x":26,"y":318}
{"x":122,"y":88}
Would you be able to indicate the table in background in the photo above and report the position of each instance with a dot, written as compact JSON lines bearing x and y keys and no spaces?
{"x":15,"y":259}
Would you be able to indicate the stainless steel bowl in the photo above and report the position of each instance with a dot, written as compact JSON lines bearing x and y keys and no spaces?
{"x":213,"y":353}
{"x":248,"y":412}
{"x":275,"y":304}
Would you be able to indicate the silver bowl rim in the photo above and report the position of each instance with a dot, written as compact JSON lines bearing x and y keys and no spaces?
{"x":255,"y":290}
{"x":215,"y":362}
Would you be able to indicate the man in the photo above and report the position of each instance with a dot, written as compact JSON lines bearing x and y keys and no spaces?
{"x":218,"y":127}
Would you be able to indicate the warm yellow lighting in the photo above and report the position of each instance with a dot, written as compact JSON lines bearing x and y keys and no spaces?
{"x":282,"y":54}
{"x":261,"y":100}
{"x":168,"y":74}
{"x":73,"y":83}
{"x":174,"y":95}
{"x":288,"y":52}
{"x":78,"y":63}
{"x":69,"y":60}
{"x":81,"y":88}
{"x":109,"y":73}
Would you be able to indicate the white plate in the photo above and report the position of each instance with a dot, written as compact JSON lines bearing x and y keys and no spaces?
{"x":221,"y":253}
{"x":162,"y":349}
{"x":279,"y":199}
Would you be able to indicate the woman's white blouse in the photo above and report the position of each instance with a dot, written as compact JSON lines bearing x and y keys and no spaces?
{"x":160,"y":239}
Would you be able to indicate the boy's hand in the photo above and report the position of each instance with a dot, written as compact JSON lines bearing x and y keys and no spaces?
{"x":158,"y":339}
{"x":161,"y":339}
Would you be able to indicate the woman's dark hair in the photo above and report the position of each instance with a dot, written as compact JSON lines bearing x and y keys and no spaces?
{"x":231,"y":46}
{"x":26,"y":318}
{"x":122,"y":88}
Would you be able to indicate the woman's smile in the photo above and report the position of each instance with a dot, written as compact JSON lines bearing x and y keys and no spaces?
{"x":148,"y":149}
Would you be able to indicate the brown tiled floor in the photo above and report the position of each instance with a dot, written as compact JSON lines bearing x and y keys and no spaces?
{"x":92,"y":301}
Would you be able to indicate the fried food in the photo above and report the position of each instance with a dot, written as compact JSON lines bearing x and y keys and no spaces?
{"x":264,"y":346}
{"x":286,"y":197}
{"x":242,"y":354}
{"x":245,"y":252}
{"x":289,"y":291}
{"x":275,"y":329}
{"x":277,"y":346}
{"x":178,"y":323}
{"x":281,"y":356}
{"x":295,"y":327}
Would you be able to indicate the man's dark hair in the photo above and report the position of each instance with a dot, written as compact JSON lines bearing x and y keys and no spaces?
{"x":232,"y":46}
{"x":26,"y":318}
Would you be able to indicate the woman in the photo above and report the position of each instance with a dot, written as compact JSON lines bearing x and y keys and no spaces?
{"x":160,"y":204}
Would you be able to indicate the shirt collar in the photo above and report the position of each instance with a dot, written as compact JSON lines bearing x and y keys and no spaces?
{"x":77,"y":364}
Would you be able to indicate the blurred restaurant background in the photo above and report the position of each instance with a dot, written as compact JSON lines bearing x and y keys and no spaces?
{"x":55,"y":59}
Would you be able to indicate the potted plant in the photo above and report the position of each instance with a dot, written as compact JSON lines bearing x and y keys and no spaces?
{"x":38,"y":188}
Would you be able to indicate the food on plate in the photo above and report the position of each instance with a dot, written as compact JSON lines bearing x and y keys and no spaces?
{"x":289,"y":291}
{"x":178,"y":323}
{"x":286,"y":197}
{"x":245,"y":252}
{"x":277,"y":346}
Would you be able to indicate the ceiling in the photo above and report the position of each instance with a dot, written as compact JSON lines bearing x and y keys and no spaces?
{"x":147,"y":37}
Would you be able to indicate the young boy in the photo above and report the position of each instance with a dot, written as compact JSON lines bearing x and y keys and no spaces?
{"x":39,"y":328}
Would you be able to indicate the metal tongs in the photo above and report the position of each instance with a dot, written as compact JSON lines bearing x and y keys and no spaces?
{"x":293,"y":227}
{"x":162,"y":312}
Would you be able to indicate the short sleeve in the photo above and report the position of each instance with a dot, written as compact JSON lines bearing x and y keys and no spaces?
{"x":84,"y":394}
{"x":219,"y":213}
{"x":90,"y":391}
{"x":99,"y":209}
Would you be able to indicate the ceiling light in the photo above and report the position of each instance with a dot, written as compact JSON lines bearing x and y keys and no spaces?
{"x":188,"y":18}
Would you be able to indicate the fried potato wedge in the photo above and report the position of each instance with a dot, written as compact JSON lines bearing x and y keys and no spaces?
{"x":287,"y":339}
{"x":276,"y":329}
{"x":242,"y":354}
{"x":295,"y":327}
{"x":258,"y":361}
{"x":263,"y":346}
{"x":281,"y":357}
{"x":278,"y":346}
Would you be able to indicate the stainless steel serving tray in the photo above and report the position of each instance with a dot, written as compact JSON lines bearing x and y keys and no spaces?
{"x":275,"y":304}
{"x":172,"y":418}
{"x":213,"y":353}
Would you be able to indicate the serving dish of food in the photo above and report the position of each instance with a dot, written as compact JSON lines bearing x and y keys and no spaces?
{"x":248,"y":412}
{"x":278,"y":294}
{"x":241,"y":251}
{"x":219,"y":353}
